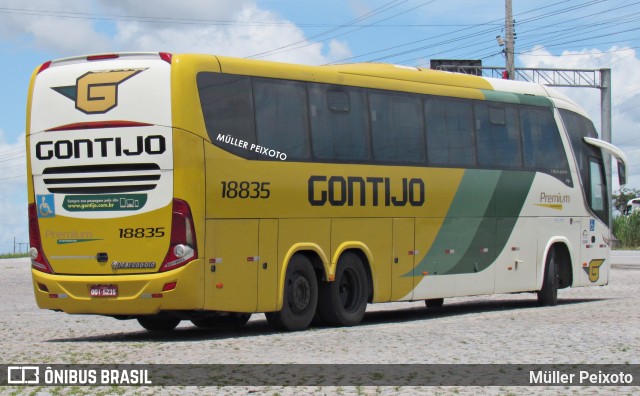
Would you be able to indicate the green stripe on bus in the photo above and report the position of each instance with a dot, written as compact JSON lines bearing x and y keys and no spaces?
{"x":478,"y":224}
{"x":470,"y":204}
{"x":494,"y":232}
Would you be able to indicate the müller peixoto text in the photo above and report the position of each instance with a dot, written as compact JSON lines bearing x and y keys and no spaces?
{"x":581,"y":377}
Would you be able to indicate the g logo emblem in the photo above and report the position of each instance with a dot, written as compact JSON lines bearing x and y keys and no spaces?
{"x":593,"y":270}
{"x":97,"y":92}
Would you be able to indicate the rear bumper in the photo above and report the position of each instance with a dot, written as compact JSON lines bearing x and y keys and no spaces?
{"x":137,"y":294}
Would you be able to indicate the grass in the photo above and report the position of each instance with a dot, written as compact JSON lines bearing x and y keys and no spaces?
{"x":627,"y":230}
{"x":12,"y":255}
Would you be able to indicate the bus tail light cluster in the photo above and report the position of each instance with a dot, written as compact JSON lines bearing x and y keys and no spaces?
{"x":182,"y":248}
{"x":38,"y":259}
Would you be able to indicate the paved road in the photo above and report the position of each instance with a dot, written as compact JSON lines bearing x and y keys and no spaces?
{"x":590,"y":325}
{"x":625,"y":258}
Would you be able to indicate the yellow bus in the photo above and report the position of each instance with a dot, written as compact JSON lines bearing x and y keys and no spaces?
{"x":167,"y":187}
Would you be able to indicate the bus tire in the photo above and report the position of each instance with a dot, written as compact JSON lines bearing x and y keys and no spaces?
{"x":343,"y":302}
{"x":548,"y":295}
{"x":158,"y":323}
{"x":434,"y":302}
{"x":300,"y":296}
{"x":231,"y":320}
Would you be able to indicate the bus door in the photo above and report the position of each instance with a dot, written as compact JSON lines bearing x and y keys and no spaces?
{"x":595,"y":237}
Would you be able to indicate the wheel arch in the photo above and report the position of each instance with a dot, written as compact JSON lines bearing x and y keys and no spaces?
{"x":364,"y":254}
{"x":317,"y":257}
{"x":564,"y":263}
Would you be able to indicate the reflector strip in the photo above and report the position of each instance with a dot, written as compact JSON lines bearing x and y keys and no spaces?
{"x":253,"y":258}
{"x":60,"y":295}
{"x":216,"y":260}
{"x":449,"y":251}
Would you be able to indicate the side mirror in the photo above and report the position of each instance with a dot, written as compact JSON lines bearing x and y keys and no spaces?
{"x":622,"y":173}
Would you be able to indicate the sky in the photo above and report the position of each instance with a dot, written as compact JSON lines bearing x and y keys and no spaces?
{"x":585,"y":34}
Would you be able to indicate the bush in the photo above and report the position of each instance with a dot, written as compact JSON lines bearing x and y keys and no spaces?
{"x":627,"y":230}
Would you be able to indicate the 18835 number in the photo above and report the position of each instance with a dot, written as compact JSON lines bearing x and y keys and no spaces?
{"x":245,"y":189}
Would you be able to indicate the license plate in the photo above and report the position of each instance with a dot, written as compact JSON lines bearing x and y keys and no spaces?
{"x":103,"y":290}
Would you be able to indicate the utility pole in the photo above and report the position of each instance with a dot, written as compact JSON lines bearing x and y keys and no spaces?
{"x":509,"y":45}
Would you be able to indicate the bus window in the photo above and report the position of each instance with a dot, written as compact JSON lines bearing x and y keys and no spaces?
{"x":339,"y":123}
{"x":227,"y":106}
{"x":396,"y":126}
{"x":498,"y":134}
{"x":597,"y":188}
{"x":281,"y":116}
{"x":450,"y":134}
{"x":542,"y":147}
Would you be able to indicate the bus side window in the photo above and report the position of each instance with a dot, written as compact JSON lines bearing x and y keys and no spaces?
{"x":281,"y":117}
{"x":498,"y":135}
{"x":450,"y":132}
{"x":227,"y":107}
{"x":397,"y":127}
{"x":339,"y":123}
{"x":542,"y":147}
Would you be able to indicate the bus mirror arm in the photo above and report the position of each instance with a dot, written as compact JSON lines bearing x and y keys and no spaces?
{"x":616,"y":152}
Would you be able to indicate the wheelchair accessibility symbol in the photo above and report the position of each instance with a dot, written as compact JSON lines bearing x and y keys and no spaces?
{"x":46,"y":206}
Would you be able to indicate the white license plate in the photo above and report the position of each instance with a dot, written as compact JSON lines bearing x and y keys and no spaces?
{"x":103,"y":290}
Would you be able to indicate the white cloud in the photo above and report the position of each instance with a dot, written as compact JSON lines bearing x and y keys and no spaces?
{"x":239,"y":28}
{"x":13,"y":193}
{"x":625,"y":93}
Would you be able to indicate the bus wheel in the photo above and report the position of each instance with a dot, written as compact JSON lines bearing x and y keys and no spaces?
{"x":548,"y":295}
{"x":300,"y":296}
{"x":231,"y":320}
{"x":434,"y":302}
{"x":156,"y":323}
{"x":344,"y":301}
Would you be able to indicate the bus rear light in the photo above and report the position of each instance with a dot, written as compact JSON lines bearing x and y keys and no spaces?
{"x":44,"y":67}
{"x":182,"y":248}
{"x":38,"y":259}
{"x":166,"y":56}
{"x":169,"y":286}
{"x":102,"y":57}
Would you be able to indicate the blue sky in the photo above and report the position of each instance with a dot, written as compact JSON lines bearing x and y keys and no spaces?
{"x":553,"y":33}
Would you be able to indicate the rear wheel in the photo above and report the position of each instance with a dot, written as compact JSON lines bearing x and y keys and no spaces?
{"x":156,"y":323}
{"x":548,"y":295}
{"x":300,"y":296}
{"x":343,"y":302}
{"x":231,"y":320}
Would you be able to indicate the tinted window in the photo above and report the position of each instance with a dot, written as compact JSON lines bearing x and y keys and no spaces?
{"x":542,"y":147}
{"x":498,"y":135}
{"x":450,"y":132}
{"x":281,"y":116}
{"x":227,"y":106}
{"x":339,"y":122}
{"x":588,"y":158}
{"x":396,"y":127}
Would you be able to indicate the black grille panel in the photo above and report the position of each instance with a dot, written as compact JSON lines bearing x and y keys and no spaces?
{"x":102,"y":179}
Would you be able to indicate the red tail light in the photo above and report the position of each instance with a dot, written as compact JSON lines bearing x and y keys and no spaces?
{"x":166,"y":56}
{"x":38,"y":259}
{"x":44,"y":67}
{"x":183,"y":238}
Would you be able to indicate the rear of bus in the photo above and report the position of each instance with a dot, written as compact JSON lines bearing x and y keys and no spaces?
{"x":111,"y":228}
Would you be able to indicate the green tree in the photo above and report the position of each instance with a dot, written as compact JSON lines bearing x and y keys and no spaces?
{"x":623,"y":196}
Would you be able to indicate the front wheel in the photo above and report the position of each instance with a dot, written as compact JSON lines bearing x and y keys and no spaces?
{"x":548,"y":295}
{"x":343,"y":302}
{"x":157,"y":323}
{"x":300,"y":296}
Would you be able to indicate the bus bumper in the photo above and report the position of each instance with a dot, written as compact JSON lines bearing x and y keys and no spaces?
{"x":143,"y":294}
